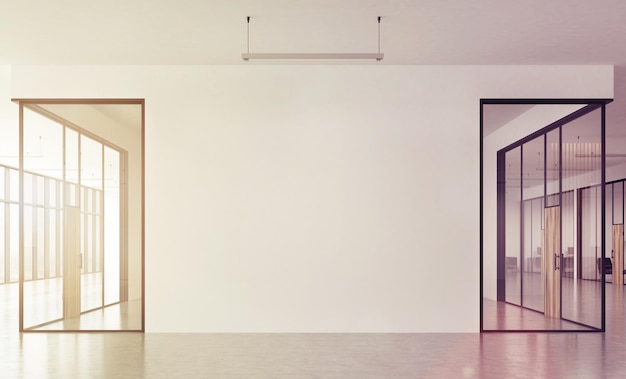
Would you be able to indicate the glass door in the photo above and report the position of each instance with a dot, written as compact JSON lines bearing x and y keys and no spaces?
{"x":614,"y":260}
{"x":545,"y":220}
{"x":581,"y":152}
{"x":80,"y":269}
{"x":551,"y":274}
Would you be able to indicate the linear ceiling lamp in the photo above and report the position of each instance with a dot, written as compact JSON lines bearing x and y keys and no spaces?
{"x":247,"y":56}
{"x":312,"y":56}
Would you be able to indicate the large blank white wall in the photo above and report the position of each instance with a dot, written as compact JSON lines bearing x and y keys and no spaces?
{"x":312,"y":198}
{"x":9,"y":130}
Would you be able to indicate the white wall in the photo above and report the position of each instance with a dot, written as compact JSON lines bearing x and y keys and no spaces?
{"x":312,"y":198}
{"x":9,"y":128}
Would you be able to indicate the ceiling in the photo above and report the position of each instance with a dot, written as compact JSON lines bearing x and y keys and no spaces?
{"x":497,"y":115}
{"x":124,"y":115}
{"x":128,"y":115}
{"x":577,"y":147}
{"x":413,"y":32}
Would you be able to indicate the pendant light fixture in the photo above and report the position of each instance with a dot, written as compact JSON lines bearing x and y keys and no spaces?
{"x":248,"y":56}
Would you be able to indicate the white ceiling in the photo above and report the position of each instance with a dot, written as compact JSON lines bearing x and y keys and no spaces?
{"x":420,"y":32}
{"x":128,"y":115}
{"x":498,"y":115}
{"x":412,"y":31}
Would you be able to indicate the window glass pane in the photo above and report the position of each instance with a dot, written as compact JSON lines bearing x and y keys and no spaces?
{"x":88,"y":200}
{"x":90,"y":243}
{"x":591,"y":231}
{"x":93,"y":201}
{"x":28,"y":242}
{"x":40,"y":243}
{"x":513,"y":217}
{"x":552,"y":169}
{"x":83,"y":238}
{"x":98,"y":241}
{"x":43,"y":145}
{"x":71,"y":195}
{"x":618,"y":203}
{"x":533,"y":179}
{"x":2,"y":183}
{"x":14,"y":179}
{"x":97,"y":195}
{"x":2,"y":240}
{"x":14,"y":240}
{"x":28,"y":189}
{"x":568,"y":239}
{"x":52,"y":242}
{"x":83,"y":205}
{"x":71,"y":155}
{"x":41,"y":190}
{"x":91,"y":162}
{"x":112,"y":227}
{"x":60,"y":243}
{"x":52,"y":193}
{"x":581,"y":163}
{"x":60,"y":196}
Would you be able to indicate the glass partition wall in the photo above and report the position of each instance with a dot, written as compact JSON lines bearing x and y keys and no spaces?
{"x":614,"y":267}
{"x":548,"y":222}
{"x":79,"y":272}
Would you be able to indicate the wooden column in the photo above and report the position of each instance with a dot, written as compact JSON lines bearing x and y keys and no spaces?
{"x":71,"y":262}
{"x":618,"y":255}
{"x":552,"y":263}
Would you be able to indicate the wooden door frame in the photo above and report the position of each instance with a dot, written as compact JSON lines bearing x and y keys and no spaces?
{"x":32,"y":104}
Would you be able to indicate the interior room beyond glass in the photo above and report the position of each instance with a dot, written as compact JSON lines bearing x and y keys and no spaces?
{"x":558,"y":235}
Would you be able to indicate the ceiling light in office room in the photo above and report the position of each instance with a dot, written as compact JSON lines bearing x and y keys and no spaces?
{"x":286,"y":56}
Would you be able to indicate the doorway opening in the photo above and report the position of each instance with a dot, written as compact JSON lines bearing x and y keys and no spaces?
{"x":543,"y":211}
{"x":79,"y":206}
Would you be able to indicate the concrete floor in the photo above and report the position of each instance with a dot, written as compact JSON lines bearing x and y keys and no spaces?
{"x":494,"y":355}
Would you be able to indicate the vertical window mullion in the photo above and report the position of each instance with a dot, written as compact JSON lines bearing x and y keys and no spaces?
{"x":46,"y":217}
{"x":7,"y":226}
{"x":34,"y":227}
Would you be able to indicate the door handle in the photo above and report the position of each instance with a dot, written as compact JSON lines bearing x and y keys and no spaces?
{"x":556,"y":256}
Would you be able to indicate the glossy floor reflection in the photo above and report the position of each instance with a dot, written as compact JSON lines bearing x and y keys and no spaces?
{"x":502,"y":316}
{"x":43,"y":299}
{"x":496,"y":355}
{"x":121,"y":316}
{"x":43,"y":308}
{"x":581,"y":302}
